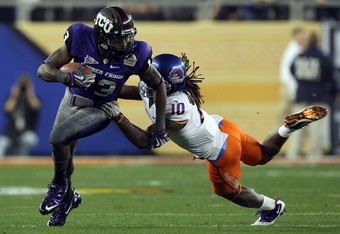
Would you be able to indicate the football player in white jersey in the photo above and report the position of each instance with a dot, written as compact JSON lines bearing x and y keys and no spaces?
{"x":219,"y":141}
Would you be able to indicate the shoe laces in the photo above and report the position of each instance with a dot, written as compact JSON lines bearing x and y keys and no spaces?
{"x":55,"y":189}
{"x":258,"y":212}
{"x":64,"y":205}
{"x":55,"y":193}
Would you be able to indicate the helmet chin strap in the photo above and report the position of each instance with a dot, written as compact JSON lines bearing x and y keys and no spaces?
{"x":104,"y":58}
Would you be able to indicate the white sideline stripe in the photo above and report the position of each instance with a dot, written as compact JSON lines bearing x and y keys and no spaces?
{"x":173,"y":214}
{"x":24,"y":191}
{"x":215,"y":225}
{"x":176,"y":214}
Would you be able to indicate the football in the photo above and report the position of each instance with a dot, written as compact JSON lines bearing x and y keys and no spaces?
{"x":70,"y":67}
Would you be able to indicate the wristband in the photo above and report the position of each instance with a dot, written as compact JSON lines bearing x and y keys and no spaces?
{"x":71,"y":83}
{"x":46,"y":61}
{"x":119,"y":118}
{"x":164,"y":134}
{"x":61,"y":77}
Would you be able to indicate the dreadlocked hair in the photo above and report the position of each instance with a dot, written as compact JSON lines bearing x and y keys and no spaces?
{"x":191,"y":88}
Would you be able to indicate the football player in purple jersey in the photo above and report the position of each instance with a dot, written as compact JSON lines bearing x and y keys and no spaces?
{"x":113,"y":55}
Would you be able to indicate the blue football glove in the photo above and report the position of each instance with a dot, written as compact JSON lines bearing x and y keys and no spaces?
{"x":158,"y":138}
{"x":78,"y":78}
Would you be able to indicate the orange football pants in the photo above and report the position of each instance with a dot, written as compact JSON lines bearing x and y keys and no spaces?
{"x":225,"y":172}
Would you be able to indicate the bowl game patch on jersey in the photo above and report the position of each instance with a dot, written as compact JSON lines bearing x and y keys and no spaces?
{"x":131,"y":61}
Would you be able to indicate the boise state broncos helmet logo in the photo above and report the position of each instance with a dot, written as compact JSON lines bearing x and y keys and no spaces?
{"x":176,"y":75}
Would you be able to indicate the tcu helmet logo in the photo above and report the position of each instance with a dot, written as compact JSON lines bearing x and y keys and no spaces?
{"x":177,"y":75}
{"x":104,"y":23}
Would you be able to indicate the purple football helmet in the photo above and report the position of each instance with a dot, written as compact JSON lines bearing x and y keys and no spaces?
{"x":114,"y":33}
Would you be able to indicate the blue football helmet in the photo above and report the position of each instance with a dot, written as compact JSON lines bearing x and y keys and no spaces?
{"x":172,"y":69}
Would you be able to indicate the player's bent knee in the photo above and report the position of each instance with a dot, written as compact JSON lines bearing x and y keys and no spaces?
{"x":232,"y":196}
{"x":266,"y":159}
{"x":59,"y":137}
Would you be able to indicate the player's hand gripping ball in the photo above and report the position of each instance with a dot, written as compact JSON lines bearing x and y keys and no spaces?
{"x":80,"y":75}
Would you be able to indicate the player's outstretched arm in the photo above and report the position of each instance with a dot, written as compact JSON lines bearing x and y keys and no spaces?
{"x":154,"y":80}
{"x":134,"y":134}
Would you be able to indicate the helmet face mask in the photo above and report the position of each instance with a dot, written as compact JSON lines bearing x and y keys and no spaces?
{"x":114,"y":33}
{"x":172,"y":69}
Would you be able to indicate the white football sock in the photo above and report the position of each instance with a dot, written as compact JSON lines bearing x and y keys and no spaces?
{"x":268,"y":203}
{"x":284,"y":131}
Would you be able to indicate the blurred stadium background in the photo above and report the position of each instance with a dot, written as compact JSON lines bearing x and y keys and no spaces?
{"x":237,"y":44}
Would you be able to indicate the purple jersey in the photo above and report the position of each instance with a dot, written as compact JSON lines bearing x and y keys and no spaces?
{"x":110,"y":77}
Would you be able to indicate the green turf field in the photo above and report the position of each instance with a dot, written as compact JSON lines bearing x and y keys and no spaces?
{"x":171,"y":199}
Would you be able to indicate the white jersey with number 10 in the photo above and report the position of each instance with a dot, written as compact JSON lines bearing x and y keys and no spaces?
{"x":200,"y":136}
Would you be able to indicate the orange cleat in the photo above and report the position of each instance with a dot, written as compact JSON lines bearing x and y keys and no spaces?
{"x":304,"y":117}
